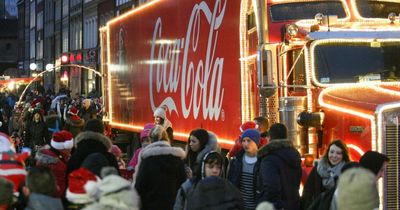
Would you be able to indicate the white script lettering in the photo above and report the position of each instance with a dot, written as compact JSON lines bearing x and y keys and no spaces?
{"x":200,"y":83}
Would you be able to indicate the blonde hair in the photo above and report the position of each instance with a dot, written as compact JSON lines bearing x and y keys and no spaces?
{"x":158,"y":133}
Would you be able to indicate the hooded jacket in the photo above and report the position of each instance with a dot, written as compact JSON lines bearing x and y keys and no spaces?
{"x":161,"y":173}
{"x":279,"y":174}
{"x":89,"y":142}
{"x":57,"y":163}
{"x":212,"y":145}
{"x":74,"y":126}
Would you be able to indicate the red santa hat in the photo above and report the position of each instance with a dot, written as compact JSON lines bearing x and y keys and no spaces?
{"x":62,"y":140}
{"x":76,"y":192}
{"x":12,"y":168}
{"x":73,"y":111}
{"x":248,"y":125}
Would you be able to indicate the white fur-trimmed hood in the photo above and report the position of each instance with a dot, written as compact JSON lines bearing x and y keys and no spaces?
{"x":212,"y":145}
{"x":93,"y":135}
{"x":162,"y":148}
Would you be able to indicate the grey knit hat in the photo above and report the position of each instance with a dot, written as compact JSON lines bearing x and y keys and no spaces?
{"x":357,"y":190}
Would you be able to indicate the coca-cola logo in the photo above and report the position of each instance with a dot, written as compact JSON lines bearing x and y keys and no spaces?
{"x":199,"y":81}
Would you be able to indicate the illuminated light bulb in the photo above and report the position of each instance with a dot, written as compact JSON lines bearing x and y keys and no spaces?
{"x":292,"y":30}
{"x":392,"y":17}
{"x":318,"y":18}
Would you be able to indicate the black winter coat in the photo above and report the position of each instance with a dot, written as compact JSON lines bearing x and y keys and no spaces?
{"x":36,"y":134}
{"x":279,"y":174}
{"x":214,"y":193}
{"x":161,"y":173}
{"x":312,"y":189}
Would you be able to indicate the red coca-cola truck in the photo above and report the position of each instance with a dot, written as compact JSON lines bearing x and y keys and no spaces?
{"x":326,"y":69}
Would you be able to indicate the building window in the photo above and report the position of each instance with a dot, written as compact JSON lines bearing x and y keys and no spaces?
{"x":39,"y":50}
{"x":33,"y":15}
{"x":39,"y":21}
{"x":65,"y":36}
{"x":32,"y":43}
{"x":8,"y":46}
{"x":58,"y":10}
{"x":65,"y":9}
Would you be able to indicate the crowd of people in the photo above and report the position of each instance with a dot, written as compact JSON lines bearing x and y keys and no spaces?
{"x":56,"y":154}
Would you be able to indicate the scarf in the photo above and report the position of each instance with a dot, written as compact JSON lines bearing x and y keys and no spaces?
{"x":329,"y":173}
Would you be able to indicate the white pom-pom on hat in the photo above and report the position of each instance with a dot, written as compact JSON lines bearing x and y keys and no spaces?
{"x":62,"y":140}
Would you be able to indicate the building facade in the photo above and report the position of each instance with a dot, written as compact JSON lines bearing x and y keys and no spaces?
{"x":65,"y":33}
{"x":8,"y":38}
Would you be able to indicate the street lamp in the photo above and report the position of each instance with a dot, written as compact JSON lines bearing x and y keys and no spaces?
{"x":33,"y":66}
{"x":49,"y":67}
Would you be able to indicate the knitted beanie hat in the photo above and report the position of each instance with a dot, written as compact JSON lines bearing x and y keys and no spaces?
{"x":146,"y":130}
{"x":373,"y":161}
{"x":95,"y":162}
{"x":357,"y":190}
{"x":62,"y":140}
{"x":252,"y":134}
{"x":160,"y":112}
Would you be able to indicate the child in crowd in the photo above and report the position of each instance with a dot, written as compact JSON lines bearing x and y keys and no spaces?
{"x":144,"y":141}
{"x":242,"y":168}
{"x":116,"y":151}
{"x":211,"y":166}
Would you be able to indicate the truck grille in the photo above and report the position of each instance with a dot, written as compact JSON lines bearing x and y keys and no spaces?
{"x":392,"y":192}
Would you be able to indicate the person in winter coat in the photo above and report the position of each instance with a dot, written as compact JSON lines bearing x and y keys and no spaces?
{"x":357,"y":190}
{"x":144,"y":141}
{"x":199,"y":143}
{"x":160,"y":118}
{"x":89,"y":142}
{"x":116,"y":151}
{"x":262,"y":126}
{"x":40,"y":190}
{"x":161,"y":173}
{"x":88,"y":110}
{"x":112,"y":193}
{"x":325,"y":173}
{"x":376,"y":162}
{"x":56,"y":156}
{"x":53,"y":122}
{"x":214,"y":193}
{"x":36,"y":133}
{"x":74,"y":123}
{"x":211,"y":165}
{"x":279,"y":172}
{"x":242,"y":168}
{"x":238,"y":142}
{"x":61,"y":109}
{"x":327,"y":199}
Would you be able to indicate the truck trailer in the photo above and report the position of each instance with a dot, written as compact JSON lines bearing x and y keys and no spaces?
{"x":326,"y":69}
